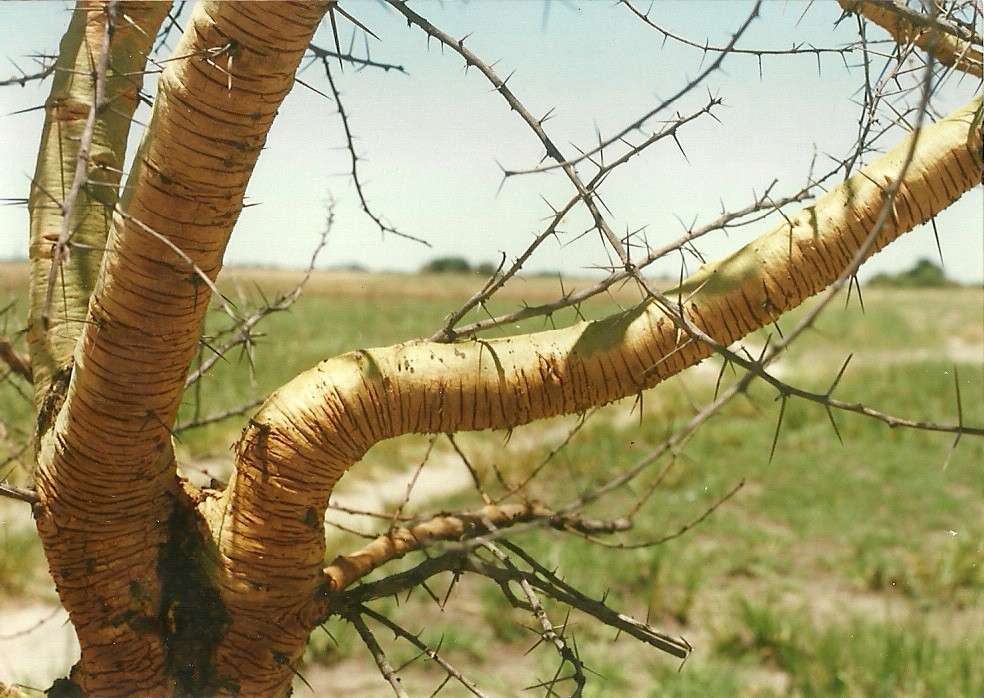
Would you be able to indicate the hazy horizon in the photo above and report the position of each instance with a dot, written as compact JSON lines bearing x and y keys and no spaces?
{"x":432,"y":140}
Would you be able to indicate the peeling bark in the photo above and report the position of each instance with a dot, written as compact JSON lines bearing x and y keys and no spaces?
{"x":907,"y":25}
{"x":172,"y":591}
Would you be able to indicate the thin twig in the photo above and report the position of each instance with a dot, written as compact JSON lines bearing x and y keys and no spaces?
{"x":385,"y":668}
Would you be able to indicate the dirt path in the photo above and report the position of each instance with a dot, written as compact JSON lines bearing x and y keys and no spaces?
{"x":37,"y":644}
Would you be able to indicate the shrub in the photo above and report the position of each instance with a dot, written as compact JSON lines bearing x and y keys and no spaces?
{"x":447,"y":265}
{"x":924,"y":274}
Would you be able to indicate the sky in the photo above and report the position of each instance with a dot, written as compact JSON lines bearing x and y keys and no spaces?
{"x":433,"y":140}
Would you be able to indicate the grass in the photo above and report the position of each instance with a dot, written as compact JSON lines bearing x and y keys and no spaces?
{"x":21,"y":562}
{"x":856,"y":657}
{"x":838,"y":570}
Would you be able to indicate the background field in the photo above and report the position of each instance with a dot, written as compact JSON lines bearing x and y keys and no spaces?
{"x":854,"y":569}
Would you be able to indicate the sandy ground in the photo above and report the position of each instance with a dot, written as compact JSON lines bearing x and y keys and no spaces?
{"x":37,"y":644}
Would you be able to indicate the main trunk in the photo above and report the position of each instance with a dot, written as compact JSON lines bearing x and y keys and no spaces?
{"x":175,"y":591}
{"x":109,"y":512}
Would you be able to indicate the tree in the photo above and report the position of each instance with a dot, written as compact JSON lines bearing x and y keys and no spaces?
{"x":923,"y":274}
{"x":178,"y":590}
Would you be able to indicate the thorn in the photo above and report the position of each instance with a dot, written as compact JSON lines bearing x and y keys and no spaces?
{"x":936,"y":234}
{"x":960,"y":421}
{"x":775,"y":438}
{"x":840,"y":373}
{"x":680,"y":146}
{"x":356,"y":22}
{"x":334,"y":31}
{"x":717,"y":384}
{"x":833,"y":423}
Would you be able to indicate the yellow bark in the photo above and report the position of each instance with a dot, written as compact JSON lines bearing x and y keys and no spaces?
{"x":268,"y":524}
{"x":902,"y":24}
{"x":66,"y":109}
{"x":346,"y":569}
{"x":106,"y":481}
{"x":111,"y":512}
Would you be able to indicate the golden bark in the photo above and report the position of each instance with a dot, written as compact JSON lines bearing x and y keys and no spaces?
{"x":907,"y":25}
{"x":346,"y":569}
{"x":106,"y":481}
{"x":53,"y":331}
{"x":128,"y":546}
{"x":268,"y":524}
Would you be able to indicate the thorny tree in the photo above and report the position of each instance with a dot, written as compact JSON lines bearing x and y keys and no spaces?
{"x":174,"y":589}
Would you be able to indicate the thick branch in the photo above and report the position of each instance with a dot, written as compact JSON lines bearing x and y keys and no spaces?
{"x":106,"y":479}
{"x":906,"y":25}
{"x":268,"y":523}
{"x":346,"y":569}
{"x":79,"y":165}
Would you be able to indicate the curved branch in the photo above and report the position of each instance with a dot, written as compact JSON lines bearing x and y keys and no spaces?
{"x":268,"y":524}
{"x":707,"y":47}
{"x":18,"y":363}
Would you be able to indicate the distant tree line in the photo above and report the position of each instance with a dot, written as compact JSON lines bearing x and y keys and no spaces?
{"x":924,"y":274}
{"x":457,"y":265}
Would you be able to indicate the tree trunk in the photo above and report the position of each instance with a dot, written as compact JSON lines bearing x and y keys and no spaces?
{"x":175,"y":591}
{"x":106,"y":477}
{"x":56,"y":320}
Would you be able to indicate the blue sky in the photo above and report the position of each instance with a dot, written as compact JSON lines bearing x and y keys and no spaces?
{"x":432,"y":139}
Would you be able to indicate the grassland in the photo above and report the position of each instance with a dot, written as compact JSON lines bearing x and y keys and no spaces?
{"x":838,"y":570}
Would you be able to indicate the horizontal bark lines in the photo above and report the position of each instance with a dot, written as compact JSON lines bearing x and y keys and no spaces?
{"x":910,"y":25}
{"x":312,"y":430}
{"x":106,"y":479}
{"x":66,"y":110}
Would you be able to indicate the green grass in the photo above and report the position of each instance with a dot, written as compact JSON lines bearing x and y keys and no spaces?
{"x":855,"y":657}
{"x":21,"y":561}
{"x":840,"y":570}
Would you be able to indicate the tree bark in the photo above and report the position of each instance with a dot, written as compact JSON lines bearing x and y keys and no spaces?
{"x":53,"y":331}
{"x":908,"y":25}
{"x":176,"y":591}
{"x":106,"y":479}
{"x":268,"y":524}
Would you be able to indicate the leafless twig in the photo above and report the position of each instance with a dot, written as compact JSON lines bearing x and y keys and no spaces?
{"x":25,"y":78}
{"x":415,"y":640}
{"x":385,"y":668}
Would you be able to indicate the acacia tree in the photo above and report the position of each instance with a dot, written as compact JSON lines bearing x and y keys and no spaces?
{"x":173,"y":589}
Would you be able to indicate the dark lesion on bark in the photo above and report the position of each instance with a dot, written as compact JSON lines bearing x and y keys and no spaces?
{"x":53,"y":399}
{"x":64,"y":688}
{"x":192,"y":616}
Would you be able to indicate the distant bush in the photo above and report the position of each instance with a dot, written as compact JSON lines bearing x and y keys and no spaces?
{"x":458,"y":265}
{"x":447,"y":265}
{"x":924,"y":274}
{"x":350,"y":267}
